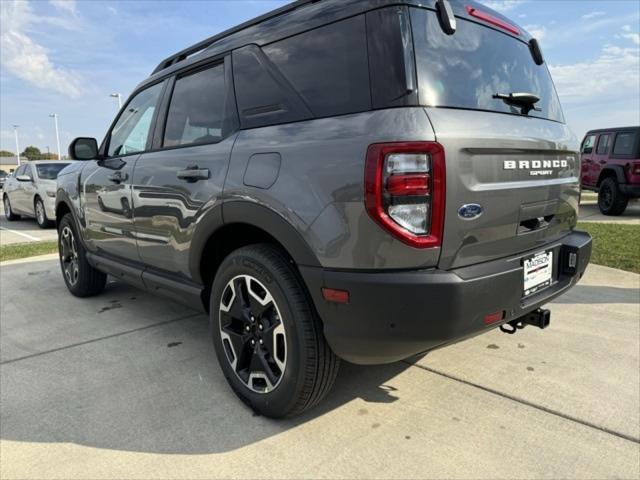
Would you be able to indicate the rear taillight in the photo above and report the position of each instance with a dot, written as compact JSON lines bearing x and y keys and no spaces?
{"x":635,"y":168}
{"x":405,"y":190}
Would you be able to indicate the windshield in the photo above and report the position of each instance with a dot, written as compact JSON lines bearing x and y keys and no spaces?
{"x":3,"y":174}
{"x":466,"y":69}
{"x":49,"y":171}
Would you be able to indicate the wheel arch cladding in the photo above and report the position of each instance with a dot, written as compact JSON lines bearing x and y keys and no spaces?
{"x":615,"y":171}
{"x":245,"y":223}
{"x":62,"y":208}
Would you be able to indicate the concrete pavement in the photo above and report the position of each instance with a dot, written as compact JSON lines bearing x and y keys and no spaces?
{"x":589,"y":211}
{"x":126,"y":385}
{"x":23,"y":230}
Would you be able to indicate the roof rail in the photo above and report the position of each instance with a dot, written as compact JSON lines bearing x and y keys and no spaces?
{"x":183,"y":54}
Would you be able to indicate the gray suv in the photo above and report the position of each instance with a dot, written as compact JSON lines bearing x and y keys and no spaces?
{"x":356,"y":179}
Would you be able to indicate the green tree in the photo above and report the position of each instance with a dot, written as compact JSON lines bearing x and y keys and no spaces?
{"x":6,"y":153}
{"x":32,"y":153}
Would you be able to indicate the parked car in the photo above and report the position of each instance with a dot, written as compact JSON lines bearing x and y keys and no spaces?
{"x":3,"y":178}
{"x":31,"y":191}
{"x":355,"y":179}
{"x":611,"y":167}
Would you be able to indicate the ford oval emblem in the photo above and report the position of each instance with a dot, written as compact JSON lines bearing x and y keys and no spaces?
{"x":470,"y":211}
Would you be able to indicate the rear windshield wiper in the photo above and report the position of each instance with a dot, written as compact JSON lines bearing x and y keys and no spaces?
{"x":525,"y":101}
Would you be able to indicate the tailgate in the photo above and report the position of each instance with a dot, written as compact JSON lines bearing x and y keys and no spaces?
{"x":522,"y":171}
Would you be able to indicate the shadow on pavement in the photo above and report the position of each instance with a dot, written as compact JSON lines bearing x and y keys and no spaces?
{"x":156,"y":390}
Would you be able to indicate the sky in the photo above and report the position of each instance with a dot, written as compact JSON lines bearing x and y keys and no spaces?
{"x":68,"y":56}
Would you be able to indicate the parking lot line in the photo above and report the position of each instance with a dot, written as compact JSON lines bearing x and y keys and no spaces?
{"x":21,"y":234}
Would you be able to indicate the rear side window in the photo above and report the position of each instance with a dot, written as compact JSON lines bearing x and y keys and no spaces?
{"x":327,"y":67}
{"x":197,"y":108}
{"x":466,"y":69}
{"x":320,"y":73}
{"x":624,"y":143}
{"x":589,"y":142}
{"x":603,"y":144}
{"x":49,"y":171}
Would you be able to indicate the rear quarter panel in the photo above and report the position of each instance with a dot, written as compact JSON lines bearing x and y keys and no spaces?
{"x":320,"y":186}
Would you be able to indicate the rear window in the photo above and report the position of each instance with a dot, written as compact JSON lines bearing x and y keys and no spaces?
{"x":196,"y":112}
{"x":466,"y":69}
{"x":49,"y":171}
{"x":624,"y":143}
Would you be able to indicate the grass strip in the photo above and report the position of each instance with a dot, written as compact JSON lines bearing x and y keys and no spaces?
{"x":23,"y":250}
{"x":615,"y":245}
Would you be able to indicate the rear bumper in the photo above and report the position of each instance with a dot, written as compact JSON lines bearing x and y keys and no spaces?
{"x":630,"y":190}
{"x":392,"y":316}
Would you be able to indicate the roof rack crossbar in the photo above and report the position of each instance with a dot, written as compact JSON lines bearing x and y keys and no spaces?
{"x":198,"y":47}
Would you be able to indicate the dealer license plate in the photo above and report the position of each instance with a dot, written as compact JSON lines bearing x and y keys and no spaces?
{"x":537,"y":273}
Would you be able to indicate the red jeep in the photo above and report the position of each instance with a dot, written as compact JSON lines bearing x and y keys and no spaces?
{"x":611,"y":167}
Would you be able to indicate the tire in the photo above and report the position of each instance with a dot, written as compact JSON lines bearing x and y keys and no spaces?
{"x":257,"y":296}
{"x":8,"y":212}
{"x":40,"y":214}
{"x":611,"y":201}
{"x":81,"y":278}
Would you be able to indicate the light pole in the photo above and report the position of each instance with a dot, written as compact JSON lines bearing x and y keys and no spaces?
{"x":15,"y":131}
{"x":119,"y":97}
{"x":55,"y":121}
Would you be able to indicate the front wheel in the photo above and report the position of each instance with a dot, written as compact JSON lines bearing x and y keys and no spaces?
{"x":8,"y":212}
{"x":81,"y":278}
{"x":267,"y":336}
{"x":41,"y":214}
{"x":611,"y":200}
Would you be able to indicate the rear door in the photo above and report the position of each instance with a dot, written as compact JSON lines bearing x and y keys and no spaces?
{"x":588,"y":146}
{"x":15,"y":190}
{"x":601,"y":156}
{"x":28,"y":190}
{"x":106,"y":183}
{"x":518,"y":171}
{"x":182,"y":179}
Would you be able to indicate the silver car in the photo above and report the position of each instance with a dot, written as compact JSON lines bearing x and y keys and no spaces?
{"x":31,"y":191}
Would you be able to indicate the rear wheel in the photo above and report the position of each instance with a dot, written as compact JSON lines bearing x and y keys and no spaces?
{"x":8,"y":213}
{"x":267,"y":336}
{"x":611,"y":200}
{"x":41,"y":214}
{"x":81,"y":278}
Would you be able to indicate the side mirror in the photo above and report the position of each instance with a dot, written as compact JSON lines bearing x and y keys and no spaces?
{"x":24,"y":178}
{"x":83,"y":148}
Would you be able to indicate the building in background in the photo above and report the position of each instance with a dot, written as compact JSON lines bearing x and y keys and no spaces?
{"x":9,"y":164}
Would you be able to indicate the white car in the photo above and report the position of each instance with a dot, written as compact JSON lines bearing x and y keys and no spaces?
{"x":31,"y":191}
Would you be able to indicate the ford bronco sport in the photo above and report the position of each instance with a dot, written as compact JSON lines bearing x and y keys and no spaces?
{"x":611,"y":167}
{"x":356,"y":179}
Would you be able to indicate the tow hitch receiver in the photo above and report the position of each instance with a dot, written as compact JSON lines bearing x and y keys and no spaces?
{"x":538,"y":318}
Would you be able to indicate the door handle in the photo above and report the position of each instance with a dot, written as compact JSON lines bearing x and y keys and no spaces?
{"x":193,"y":174}
{"x":118,"y":177}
